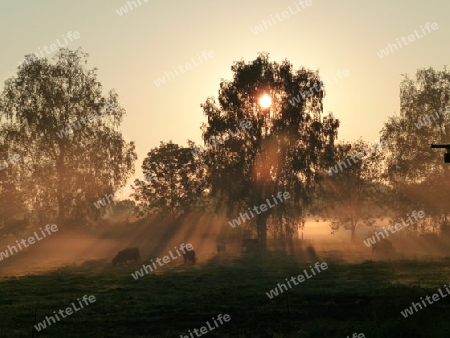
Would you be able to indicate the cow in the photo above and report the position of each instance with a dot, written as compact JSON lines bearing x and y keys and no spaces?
{"x":130,"y":254}
{"x":249,"y":245}
{"x":221,"y":247}
{"x":189,"y":256}
{"x":383,"y":248}
{"x":311,"y":252}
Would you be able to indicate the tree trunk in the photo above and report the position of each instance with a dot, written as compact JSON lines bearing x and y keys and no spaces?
{"x":261,"y":227}
{"x":60,"y":187}
{"x":353,"y":230}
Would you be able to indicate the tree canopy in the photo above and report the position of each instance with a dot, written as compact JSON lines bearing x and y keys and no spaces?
{"x":61,"y":148}
{"x":66,"y":132}
{"x":175,"y":180}
{"x":417,"y":174}
{"x":283,"y":150}
{"x":353,"y":195}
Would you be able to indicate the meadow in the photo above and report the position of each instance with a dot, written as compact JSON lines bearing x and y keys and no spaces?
{"x":364,"y":297}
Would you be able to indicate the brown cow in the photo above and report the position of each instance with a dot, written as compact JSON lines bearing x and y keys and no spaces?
{"x":130,"y":254}
{"x":189,"y":256}
{"x":249,"y":245}
{"x":221,"y":247}
{"x":383,"y":248}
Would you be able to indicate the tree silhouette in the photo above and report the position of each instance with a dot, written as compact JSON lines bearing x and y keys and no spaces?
{"x":284,"y":148}
{"x":176,"y":180}
{"x":13,"y":212}
{"x":66,"y":134}
{"x":417,"y":173}
{"x":353,"y":195}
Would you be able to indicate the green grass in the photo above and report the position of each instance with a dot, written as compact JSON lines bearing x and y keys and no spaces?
{"x":346,"y":298}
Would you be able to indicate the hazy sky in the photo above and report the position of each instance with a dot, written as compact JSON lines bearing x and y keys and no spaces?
{"x":132,"y":50}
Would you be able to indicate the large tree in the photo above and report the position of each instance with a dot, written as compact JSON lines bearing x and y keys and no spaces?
{"x":13,"y":212}
{"x":352,"y":194}
{"x":417,"y":173}
{"x":66,"y":132}
{"x":267,"y":148}
{"x":175,"y":180}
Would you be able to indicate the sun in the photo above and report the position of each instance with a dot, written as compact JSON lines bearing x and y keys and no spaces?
{"x":265,"y":101}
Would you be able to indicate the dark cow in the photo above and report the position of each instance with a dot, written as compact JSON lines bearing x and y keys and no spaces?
{"x":130,"y":254}
{"x":383,"y":248}
{"x":311,"y":252}
{"x":221,"y":248}
{"x":189,"y":256}
{"x":249,"y":245}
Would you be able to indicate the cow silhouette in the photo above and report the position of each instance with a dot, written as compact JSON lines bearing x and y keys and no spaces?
{"x":383,"y":248}
{"x":221,"y":247}
{"x":189,"y":256}
{"x":130,"y":254}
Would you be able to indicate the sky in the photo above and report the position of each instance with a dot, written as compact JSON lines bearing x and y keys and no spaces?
{"x":132,"y":50}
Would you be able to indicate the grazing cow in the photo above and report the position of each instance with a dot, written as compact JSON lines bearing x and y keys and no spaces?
{"x":189,"y":256}
{"x":311,"y":252}
{"x":249,"y":245}
{"x":383,"y":248}
{"x":130,"y":254}
{"x":220,"y":247}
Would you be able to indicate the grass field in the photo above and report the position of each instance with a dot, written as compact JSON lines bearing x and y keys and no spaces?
{"x":344,"y":299}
